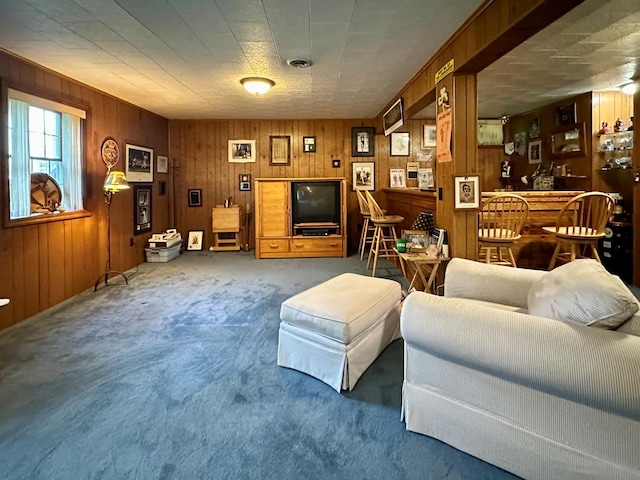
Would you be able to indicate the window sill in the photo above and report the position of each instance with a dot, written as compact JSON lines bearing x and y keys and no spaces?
{"x":46,"y":218}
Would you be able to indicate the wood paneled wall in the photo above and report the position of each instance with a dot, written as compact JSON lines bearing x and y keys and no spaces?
{"x":42,"y":265}
{"x":199,"y":158}
{"x":547,"y":116}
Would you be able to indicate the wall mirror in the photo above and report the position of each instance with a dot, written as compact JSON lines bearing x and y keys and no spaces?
{"x":568,"y":141}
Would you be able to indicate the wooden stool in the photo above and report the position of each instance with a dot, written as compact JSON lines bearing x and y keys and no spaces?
{"x":225,"y":225}
{"x":384,"y":236}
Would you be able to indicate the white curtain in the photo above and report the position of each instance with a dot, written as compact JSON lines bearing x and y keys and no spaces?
{"x":71,"y":163}
{"x":19,"y":170}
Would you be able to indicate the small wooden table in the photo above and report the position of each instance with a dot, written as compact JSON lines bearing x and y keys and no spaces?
{"x":415,"y":264}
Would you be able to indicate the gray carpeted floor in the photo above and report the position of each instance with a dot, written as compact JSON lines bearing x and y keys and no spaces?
{"x":175,"y":377}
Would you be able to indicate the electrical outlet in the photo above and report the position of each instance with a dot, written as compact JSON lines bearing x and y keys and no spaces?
{"x":131,"y":242}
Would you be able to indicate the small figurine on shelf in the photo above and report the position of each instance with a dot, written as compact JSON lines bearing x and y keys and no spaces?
{"x":617,"y":127}
{"x":630,"y":129}
{"x":604,"y":129}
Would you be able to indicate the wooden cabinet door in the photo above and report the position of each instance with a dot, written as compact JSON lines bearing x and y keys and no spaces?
{"x":272,"y":205}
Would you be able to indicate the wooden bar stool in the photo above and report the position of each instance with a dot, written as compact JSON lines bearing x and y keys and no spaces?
{"x":384,"y":235}
{"x":581,"y":223}
{"x":366,"y":236}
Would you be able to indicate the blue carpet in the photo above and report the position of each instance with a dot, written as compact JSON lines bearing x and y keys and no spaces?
{"x":175,"y":377}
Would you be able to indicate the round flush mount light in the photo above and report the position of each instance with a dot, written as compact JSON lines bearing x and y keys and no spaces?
{"x":297,"y":63}
{"x":257,"y":85}
{"x":629,"y":88}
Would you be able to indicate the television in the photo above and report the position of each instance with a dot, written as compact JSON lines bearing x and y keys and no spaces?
{"x":315,"y":202}
{"x":393,"y":118}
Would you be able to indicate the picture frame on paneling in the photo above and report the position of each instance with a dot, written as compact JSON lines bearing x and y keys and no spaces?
{"x":363,"y":176}
{"x":534,"y":128}
{"x":397,"y":178}
{"x":162,"y":164}
{"x":242,"y":151}
{"x":279,"y":148}
{"x":363,"y":142}
{"x":535,"y":151}
{"x":393,"y":118}
{"x":466,"y":190}
{"x":195,"y":240}
{"x":141,"y":209}
{"x":139,"y":166}
{"x":194,"y":196}
{"x":566,"y":114}
{"x":429,"y":136}
{"x":490,"y":133}
{"x":399,"y":144}
{"x":309,"y":144}
{"x":244,"y":182}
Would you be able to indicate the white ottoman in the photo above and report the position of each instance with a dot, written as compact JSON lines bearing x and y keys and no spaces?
{"x":335,"y":330}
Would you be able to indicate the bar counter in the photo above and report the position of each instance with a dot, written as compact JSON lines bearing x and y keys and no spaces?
{"x":408,"y":203}
{"x":535,"y":248}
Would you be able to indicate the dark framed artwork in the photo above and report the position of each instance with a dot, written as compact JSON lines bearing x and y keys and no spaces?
{"x":363,"y":142}
{"x":309,"y":144}
{"x":195,"y":197}
{"x":141,"y":209}
{"x":566,"y":114}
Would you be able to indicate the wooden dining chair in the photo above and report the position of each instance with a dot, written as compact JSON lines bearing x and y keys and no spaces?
{"x":500,"y":222}
{"x":580,"y":225}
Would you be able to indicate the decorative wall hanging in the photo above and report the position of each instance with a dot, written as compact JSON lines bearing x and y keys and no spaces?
{"x":242,"y":151}
{"x":363,"y":176}
{"x":163,"y":164}
{"x":279,"y":146}
{"x":139,"y":166}
{"x":399,"y":144}
{"x":363,"y":142}
{"x":309,"y":144}
{"x":141,"y":209}
{"x":466,"y":192}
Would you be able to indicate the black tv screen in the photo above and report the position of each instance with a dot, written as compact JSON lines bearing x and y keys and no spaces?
{"x":315,"y":202}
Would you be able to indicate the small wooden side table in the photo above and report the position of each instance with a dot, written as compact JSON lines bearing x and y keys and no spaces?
{"x":225,"y":225}
{"x":416,"y":265}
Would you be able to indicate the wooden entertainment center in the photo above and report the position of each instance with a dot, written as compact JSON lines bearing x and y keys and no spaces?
{"x":277,"y":236}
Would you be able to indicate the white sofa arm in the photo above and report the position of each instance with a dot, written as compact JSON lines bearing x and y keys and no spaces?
{"x":491,"y":283}
{"x":588,"y":365}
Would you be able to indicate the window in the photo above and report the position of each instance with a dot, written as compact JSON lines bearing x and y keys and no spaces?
{"x":45,"y":156}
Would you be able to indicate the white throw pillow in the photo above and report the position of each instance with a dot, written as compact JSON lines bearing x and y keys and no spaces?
{"x":582,"y":292}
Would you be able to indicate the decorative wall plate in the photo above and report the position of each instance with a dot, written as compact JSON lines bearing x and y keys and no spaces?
{"x":110,"y":152}
{"x":46,"y":195}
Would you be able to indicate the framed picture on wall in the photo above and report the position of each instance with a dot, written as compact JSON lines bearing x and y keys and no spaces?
{"x":141,"y":209}
{"x":195,"y":197}
{"x":309,"y":144}
{"x":139,"y":166}
{"x":363,"y":142}
{"x":535,"y":151}
{"x":428,"y":136}
{"x":279,"y":146}
{"x":242,"y":151}
{"x":399,"y":144}
{"x":466,"y":191}
{"x":363,"y":176}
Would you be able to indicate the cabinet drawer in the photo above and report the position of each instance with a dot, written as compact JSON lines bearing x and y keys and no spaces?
{"x":267,"y":246}
{"x":330,"y":244}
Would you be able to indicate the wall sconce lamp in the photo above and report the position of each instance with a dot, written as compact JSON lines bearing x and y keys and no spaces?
{"x":257,"y":85}
{"x":113,"y":183}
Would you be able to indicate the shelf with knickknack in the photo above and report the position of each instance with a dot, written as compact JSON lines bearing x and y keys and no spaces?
{"x":614,"y":152}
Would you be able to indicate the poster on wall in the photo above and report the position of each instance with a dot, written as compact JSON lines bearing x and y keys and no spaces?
{"x":443,"y":147}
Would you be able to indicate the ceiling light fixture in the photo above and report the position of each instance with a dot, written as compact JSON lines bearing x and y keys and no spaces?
{"x":257,"y":85}
{"x":629,"y":88}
